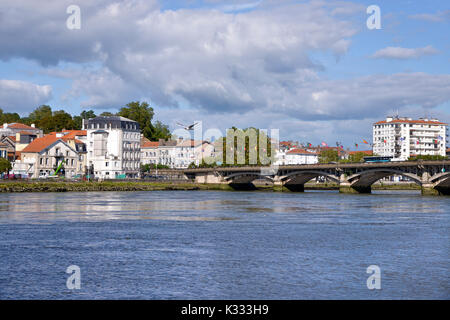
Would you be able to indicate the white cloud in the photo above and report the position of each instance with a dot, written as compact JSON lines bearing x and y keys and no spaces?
{"x":19,"y":96}
{"x":439,"y":16}
{"x":404,"y":53}
{"x":255,"y":68}
{"x":212,"y":60}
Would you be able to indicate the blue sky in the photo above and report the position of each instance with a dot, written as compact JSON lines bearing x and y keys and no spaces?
{"x":309,"y":68}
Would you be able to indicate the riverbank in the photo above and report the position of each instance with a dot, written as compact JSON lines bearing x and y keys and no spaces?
{"x":58,"y":186}
{"x":103,"y":186}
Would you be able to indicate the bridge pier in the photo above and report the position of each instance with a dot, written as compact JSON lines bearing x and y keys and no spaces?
{"x":346,"y":187}
{"x":354,"y":189}
{"x":430,"y":190}
{"x":282,"y":186}
{"x":208,"y":177}
{"x":295,"y":187}
{"x":243,"y":186}
{"x":443,"y":191}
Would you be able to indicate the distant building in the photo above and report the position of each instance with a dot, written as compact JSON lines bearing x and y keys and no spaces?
{"x":10,"y":129}
{"x":176,"y":154}
{"x":192,"y":151}
{"x":113,"y":147}
{"x":43,"y":156}
{"x":10,"y":142}
{"x":297,"y":156}
{"x":24,"y":138}
{"x":149,"y":152}
{"x":3,"y":150}
{"x":402,"y":138}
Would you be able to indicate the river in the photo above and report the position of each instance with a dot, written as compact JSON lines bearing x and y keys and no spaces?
{"x":224,"y":245}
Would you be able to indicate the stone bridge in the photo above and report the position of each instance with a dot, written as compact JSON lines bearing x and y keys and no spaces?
{"x":432,"y":176}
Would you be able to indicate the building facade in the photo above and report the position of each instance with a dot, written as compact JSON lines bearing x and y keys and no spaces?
{"x":113,"y":147}
{"x":47,"y":155}
{"x":149,"y":152}
{"x":402,"y":138}
{"x":296,"y":156}
{"x":10,"y":129}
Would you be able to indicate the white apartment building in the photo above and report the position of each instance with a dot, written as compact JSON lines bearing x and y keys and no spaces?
{"x":113,"y":147}
{"x":295,"y":156}
{"x":192,"y":151}
{"x":176,"y":154}
{"x":149,"y":152}
{"x":402,"y":138}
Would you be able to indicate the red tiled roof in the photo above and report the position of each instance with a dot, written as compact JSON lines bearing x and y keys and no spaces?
{"x":411,"y":121}
{"x":26,"y":133}
{"x":74,"y":133}
{"x":150,"y":144}
{"x":18,"y":125}
{"x":39,"y":144}
{"x":13,"y":138}
{"x":300,"y":151}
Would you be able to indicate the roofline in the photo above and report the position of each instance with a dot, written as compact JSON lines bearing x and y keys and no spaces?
{"x":51,"y":145}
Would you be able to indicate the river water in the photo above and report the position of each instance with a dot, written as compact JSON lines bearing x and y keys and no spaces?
{"x":224,"y":245}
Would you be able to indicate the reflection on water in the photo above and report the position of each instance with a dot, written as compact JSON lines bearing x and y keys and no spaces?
{"x":224,"y":245}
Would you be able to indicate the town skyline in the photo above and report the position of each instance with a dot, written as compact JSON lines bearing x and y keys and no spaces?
{"x":311,"y":69}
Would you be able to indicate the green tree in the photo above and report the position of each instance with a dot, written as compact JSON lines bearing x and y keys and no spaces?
{"x":328,"y":155}
{"x":427,"y":157}
{"x":5,"y":165}
{"x":40,"y":113}
{"x":107,"y":114}
{"x":78,"y":120}
{"x":57,"y":121}
{"x":357,"y":157}
{"x":160,"y":131}
{"x":62,"y":120}
{"x":9,"y":117}
{"x":142,"y":113}
{"x":242,"y":149}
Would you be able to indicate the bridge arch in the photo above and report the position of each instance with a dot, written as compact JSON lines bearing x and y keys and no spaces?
{"x":246,"y":177}
{"x":368,"y":177}
{"x":301,"y":177}
{"x":441,"y":179}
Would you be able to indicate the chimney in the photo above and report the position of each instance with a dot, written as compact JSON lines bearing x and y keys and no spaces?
{"x":82,"y":124}
{"x":33,"y":125}
{"x":5,"y":125}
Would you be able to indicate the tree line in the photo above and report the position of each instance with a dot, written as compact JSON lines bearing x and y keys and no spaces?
{"x":56,"y":120}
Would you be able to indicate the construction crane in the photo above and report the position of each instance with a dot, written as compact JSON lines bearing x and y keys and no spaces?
{"x":59,"y":168}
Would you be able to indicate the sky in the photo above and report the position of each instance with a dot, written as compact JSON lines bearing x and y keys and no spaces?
{"x":312,"y":69}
